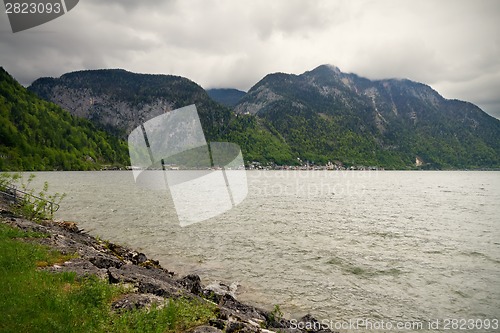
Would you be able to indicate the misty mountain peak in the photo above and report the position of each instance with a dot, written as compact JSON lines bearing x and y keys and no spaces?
{"x":321,"y":115}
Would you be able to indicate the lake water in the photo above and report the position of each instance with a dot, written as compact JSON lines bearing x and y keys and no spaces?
{"x":377,"y":245}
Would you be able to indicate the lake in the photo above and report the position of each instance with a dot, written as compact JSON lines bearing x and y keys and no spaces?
{"x":400,"y":246}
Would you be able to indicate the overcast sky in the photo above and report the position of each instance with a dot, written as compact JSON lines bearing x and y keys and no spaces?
{"x":451,"y":45}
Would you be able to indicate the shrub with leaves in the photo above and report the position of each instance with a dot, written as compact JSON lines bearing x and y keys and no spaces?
{"x":28,"y":202}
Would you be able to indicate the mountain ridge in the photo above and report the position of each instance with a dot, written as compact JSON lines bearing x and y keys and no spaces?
{"x":118,"y":101}
{"x":104,"y":95}
{"x":226,"y":96}
{"x":381,"y":116}
{"x":318,"y":116}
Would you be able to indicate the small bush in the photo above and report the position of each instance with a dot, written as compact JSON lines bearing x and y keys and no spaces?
{"x":31,"y":204}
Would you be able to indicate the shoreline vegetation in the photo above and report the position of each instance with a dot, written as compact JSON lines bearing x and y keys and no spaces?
{"x":56,"y":277}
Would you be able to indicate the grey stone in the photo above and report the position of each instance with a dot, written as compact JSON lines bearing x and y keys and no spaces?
{"x":205,"y":329}
{"x":192,"y":283}
{"x":137,"y":301}
{"x":81,"y":267}
{"x":234,"y":326}
{"x":139,"y":258}
{"x":106,"y":261}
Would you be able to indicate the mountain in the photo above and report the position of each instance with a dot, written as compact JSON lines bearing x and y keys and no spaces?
{"x":228,"y":97}
{"x":39,"y":135}
{"x":118,"y":101}
{"x":319,"y":116}
{"x":326,"y":115}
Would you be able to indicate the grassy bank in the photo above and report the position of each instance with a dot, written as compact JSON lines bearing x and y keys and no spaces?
{"x":34,"y":300}
{"x":54,"y":277}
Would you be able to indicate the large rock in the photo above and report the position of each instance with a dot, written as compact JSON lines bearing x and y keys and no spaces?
{"x":151,"y":281}
{"x":237,"y":309}
{"x":81,"y":267}
{"x":204,"y":329}
{"x":216,"y":290}
{"x":137,"y":301}
{"x":105,"y":261}
{"x":192,"y":283}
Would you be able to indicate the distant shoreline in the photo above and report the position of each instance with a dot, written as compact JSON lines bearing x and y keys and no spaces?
{"x":263,"y":169}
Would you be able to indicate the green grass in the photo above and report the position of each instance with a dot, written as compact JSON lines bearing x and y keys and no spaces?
{"x":175,"y":316}
{"x":34,"y":300}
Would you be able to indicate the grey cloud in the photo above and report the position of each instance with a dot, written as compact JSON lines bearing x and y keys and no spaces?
{"x":134,"y":5}
{"x":493,"y":109}
{"x":452,"y":45}
{"x":292,"y":17}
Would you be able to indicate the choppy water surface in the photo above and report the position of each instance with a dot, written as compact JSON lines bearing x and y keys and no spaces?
{"x":401,"y":246}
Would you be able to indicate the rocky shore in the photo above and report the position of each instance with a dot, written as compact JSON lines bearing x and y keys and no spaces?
{"x":151,"y":283}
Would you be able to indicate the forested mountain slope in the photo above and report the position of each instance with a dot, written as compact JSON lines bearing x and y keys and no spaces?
{"x":39,"y":135}
{"x":325,"y":114}
{"x":118,"y":101}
